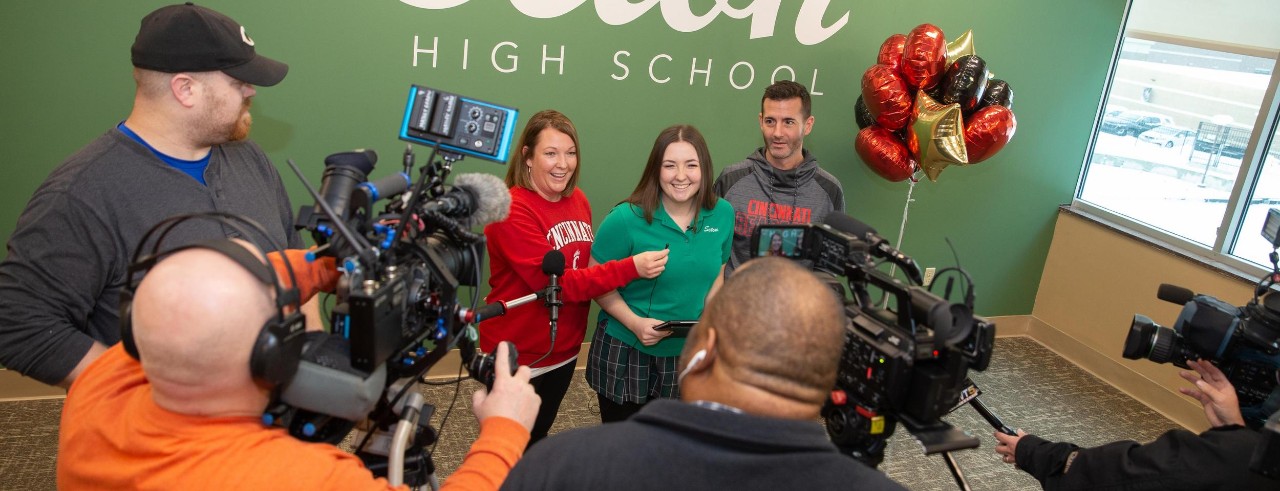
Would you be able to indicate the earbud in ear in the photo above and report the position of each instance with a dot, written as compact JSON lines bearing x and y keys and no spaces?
{"x":693,"y":362}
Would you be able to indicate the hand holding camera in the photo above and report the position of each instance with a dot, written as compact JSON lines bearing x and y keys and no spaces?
{"x":509,"y":394}
{"x":1215,"y":393}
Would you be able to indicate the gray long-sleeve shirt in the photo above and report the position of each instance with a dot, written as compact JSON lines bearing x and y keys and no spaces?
{"x":69,"y":254}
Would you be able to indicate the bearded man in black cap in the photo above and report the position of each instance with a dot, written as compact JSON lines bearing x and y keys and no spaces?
{"x":182,"y":149}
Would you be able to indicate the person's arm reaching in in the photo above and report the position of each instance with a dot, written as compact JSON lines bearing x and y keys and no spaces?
{"x":523,"y":244}
{"x":320,"y":275}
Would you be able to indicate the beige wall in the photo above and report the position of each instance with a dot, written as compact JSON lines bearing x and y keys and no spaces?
{"x":1095,"y":280}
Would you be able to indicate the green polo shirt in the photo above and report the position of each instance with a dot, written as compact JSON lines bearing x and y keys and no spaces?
{"x":680,"y":291}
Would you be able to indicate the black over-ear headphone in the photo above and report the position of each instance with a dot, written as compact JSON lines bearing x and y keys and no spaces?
{"x":278,"y":348}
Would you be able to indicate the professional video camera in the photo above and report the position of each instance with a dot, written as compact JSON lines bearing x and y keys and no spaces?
{"x":903,"y":362}
{"x":1244,"y":342}
{"x":397,"y":311}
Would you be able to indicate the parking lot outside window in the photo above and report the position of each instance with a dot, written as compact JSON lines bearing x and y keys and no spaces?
{"x":1183,"y":145}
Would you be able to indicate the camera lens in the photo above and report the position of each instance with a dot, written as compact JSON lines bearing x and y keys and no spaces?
{"x":1138,"y":344}
{"x":1149,"y":340}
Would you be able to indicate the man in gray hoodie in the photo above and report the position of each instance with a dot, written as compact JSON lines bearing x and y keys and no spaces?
{"x":780,"y":183}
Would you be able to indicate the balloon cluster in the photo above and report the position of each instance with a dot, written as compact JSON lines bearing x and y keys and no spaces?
{"x":928,"y":104}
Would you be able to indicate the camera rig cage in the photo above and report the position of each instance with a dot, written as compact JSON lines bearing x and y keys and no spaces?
{"x":396,"y":311}
{"x":905,"y":362}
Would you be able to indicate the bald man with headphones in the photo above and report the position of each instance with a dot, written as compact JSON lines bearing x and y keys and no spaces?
{"x":178,"y":404}
{"x":757,"y":368}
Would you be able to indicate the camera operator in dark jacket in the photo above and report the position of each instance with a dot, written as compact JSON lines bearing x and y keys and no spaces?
{"x":1216,"y":459}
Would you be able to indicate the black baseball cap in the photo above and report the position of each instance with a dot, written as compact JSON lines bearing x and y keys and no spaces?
{"x":191,"y":38}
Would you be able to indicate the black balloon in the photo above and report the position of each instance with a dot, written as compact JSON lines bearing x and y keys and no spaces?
{"x":936,"y":92}
{"x":999,"y":93}
{"x":862,"y":115}
{"x":965,"y":83}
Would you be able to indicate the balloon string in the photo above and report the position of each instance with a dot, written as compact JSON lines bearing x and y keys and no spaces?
{"x":902,"y":230}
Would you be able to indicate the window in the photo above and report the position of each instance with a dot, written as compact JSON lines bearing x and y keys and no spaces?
{"x":1183,"y":146}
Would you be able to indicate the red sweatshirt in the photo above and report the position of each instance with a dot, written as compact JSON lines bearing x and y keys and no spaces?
{"x":516,"y":247}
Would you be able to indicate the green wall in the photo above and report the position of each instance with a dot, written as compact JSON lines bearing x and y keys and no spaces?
{"x":66,"y":79}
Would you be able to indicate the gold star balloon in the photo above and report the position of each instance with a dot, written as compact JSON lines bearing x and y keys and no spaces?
{"x":936,"y":135}
{"x":960,"y":46}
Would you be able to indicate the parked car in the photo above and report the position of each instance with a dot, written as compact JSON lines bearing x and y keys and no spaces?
{"x":1112,"y":111}
{"x":1134,"y":123}
{"x":1166,"y":136}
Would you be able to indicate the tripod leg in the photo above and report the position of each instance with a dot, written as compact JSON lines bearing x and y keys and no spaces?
{"x":954,"y":467}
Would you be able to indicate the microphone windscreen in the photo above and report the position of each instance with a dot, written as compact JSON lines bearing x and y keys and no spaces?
{"x":553,"y":263}
{"x":849,"y":225}
{"x":491,"y":197}
{"x":1174,"y":294}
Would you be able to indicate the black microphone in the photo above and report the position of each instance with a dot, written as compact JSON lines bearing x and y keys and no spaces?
{"x":1174,"y":294}
{"x":553,"y":267}
{"x":879,"y":247}
{"x":478,"y":199}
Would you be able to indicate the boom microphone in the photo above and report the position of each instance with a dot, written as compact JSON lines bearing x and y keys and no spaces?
{"x":878,"y":245}
{"x":1174,"y":294}
{"x":477,"y":199}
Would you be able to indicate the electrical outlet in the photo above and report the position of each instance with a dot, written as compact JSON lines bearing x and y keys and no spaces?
{"x":928,"y":276}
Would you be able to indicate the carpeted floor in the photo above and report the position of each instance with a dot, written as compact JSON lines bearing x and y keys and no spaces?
{"x":1027,"y":386}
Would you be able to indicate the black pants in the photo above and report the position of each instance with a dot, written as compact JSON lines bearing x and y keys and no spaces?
{"x":551,"y":387}
{"x":611,"y":412}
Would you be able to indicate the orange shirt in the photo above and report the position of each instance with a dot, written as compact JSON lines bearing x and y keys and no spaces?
{"x":114,"y":436}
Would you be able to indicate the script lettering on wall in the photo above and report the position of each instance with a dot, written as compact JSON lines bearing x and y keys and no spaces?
{"x":679,"y":15}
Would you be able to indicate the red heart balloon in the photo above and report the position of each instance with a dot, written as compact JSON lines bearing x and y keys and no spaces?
{"x":884,"y":153}
{"x":924,"y":57}
{"x":891,"y":51}
{"x":987,"y":131}
{"x":886,"y":96}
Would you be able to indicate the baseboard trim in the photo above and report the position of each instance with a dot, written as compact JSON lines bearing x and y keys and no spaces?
{"x":1011,"y":325}
{"x":1165,"y":400}
{"x":15,"y":387}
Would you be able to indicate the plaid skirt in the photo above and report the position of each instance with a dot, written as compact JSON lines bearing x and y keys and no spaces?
{"x":624,"y":374}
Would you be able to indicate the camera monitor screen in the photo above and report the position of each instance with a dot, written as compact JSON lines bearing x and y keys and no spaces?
{"x":458,"y":124}
{"x":785,"y":241}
